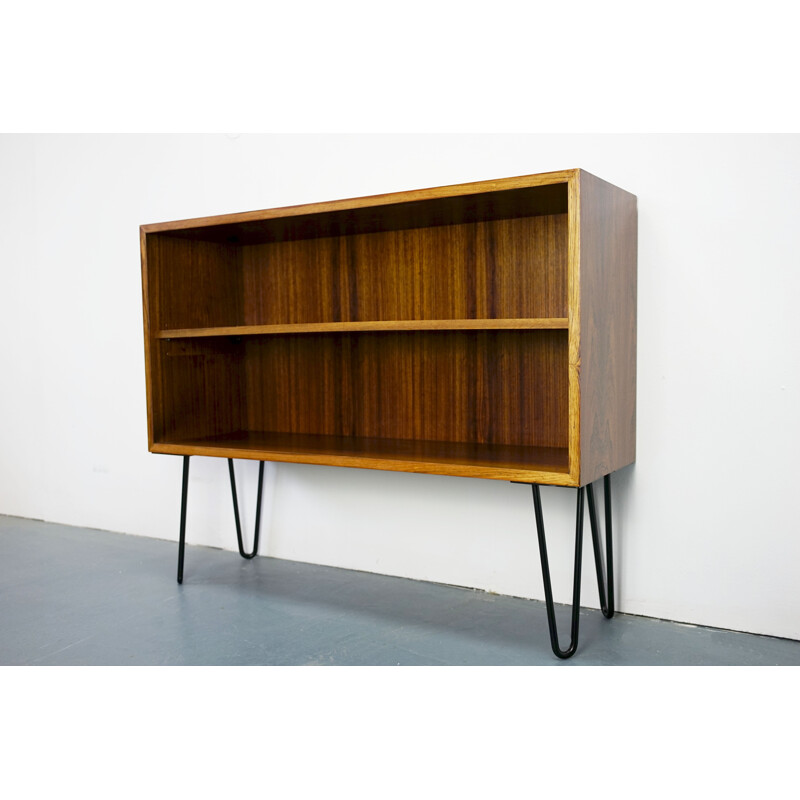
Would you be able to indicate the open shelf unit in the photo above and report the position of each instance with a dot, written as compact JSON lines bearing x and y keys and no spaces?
{"x":480,"y":330}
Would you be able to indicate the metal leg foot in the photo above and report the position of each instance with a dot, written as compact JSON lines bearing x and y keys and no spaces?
{"x":242,"y":553}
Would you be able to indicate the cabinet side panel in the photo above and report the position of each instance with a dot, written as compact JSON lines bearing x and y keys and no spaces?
{"x":151,"y":364}
{"x":185,"y":284}
{"x":202,"y":388}
{"x":608,"y":252}
{"x":152,"y":269}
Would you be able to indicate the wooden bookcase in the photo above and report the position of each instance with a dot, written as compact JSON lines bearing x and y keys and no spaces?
{"x":481,"y":330}
{"x":484,"y":330}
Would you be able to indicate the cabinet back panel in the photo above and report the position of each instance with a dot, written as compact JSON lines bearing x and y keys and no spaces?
{"x":505,"y":268}
{"x":193,"y":284}
{"x":498,"y":387}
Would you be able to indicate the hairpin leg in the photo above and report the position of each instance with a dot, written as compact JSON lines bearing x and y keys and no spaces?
{"x":184,"y":496}
{"x":182,"y":537}
{"x":605,"y":584}
{"x":236,"y":509}
{"x":576,"y":583}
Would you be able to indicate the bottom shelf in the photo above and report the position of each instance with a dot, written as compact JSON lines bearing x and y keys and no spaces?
{"x":463,"y":459}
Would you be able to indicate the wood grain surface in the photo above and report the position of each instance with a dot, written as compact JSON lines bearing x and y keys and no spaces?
{"x":522,"y":196}
{"x":201,"y":387}
{"x":503,"y":387}
{"x":499,"y":269}
{"x":557,"y":323}
{"x":483,"y":329}
{"x":462,"y":459}
{"x":197,"y":283}
{"x":608,"y":255}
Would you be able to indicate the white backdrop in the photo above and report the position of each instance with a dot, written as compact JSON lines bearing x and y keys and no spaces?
{"x":706,"y":520}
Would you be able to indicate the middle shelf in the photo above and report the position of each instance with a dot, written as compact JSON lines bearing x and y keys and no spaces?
{"x":537,"y":323}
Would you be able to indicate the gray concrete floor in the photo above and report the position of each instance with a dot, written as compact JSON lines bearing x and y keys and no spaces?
{"x":74,"y":596}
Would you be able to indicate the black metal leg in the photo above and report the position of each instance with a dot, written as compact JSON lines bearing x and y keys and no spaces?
{"x":184,"y":495}
{"x":605,"y":583}
{"x":576,"y":584}
{"x":182,"y":537}
{"x":236,"y":509}
{"x":605,"y":586}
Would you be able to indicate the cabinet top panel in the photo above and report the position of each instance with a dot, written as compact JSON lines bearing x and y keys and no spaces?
{"x":507,"y":198}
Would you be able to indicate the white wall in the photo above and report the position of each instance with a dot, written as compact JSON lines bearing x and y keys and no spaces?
{"x":706,"y":520}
